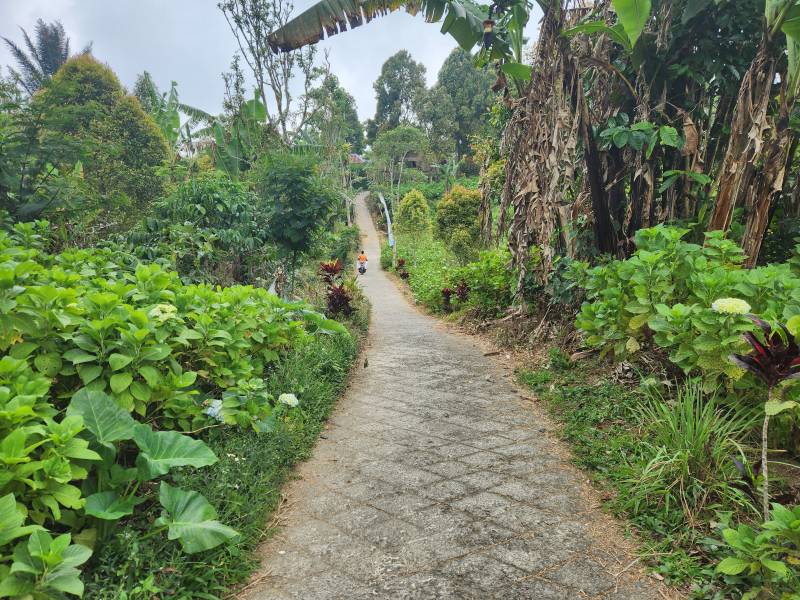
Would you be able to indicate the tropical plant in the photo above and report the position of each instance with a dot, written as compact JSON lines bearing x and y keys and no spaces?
{"x":765,"y":560}
{"x":458,"y":219}
{"x":86,"y":102}
{"x":46,"y":54}
{"x":299,"y":204}
{"x":774,"y":361}
{"x":489,"y":280}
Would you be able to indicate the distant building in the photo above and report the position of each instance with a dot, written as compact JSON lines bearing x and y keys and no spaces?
{"x":356,"y":159}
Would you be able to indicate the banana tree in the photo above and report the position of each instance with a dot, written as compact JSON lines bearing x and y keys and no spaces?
{"x":753,"y":170}
{"x":237,"y":142}
{"x":497,"y":28}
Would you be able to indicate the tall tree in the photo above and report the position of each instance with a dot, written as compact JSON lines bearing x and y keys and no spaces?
{"x":469,"y":90}
{"x":333,"y":119}
{"x":398,"y":90}
{"x":251,"y":22}
{"x":45,"y":55}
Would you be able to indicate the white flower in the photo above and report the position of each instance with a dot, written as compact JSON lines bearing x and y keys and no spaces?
{"x":215,"y":410}
{"x":288,"y":400}
{"x":730,"y":306}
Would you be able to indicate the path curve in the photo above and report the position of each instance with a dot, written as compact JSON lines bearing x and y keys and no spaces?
{"x":434,"y":479}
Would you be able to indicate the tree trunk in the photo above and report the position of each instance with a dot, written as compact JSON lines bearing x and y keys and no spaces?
{"x":769,"y":184}
{"x":745,"y":145}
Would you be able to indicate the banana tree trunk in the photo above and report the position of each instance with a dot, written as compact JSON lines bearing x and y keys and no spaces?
{"x":749,"y":120}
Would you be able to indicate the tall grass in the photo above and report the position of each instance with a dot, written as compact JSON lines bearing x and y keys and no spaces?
{"x":687,"y":457}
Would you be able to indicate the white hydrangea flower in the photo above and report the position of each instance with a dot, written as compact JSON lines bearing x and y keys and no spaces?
{"x":215,"y":410}
{"x":730,"y":306}
{"x":288,"y":400}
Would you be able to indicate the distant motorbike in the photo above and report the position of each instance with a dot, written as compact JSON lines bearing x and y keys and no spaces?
{"x":362,"y":269}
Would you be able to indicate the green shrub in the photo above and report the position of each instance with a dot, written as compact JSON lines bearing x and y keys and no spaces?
{"x":85,"y":101}
{"x":430,"y":264}
{"x":459,"y":210}
{"x":386,"y":257}
{"x":664,"y":293}
{"x":764,"y":562}
{"x":244,"y":485}
{"x":212,"y":228}
{"x":491,"y":281}
{"x":299,"y":203}
{"x":413,"y":214}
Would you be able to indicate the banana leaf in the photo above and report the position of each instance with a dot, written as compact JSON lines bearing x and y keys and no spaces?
{"x":463,"y":19}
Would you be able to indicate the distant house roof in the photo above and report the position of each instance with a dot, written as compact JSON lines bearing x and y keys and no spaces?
{"x":356,"y":159}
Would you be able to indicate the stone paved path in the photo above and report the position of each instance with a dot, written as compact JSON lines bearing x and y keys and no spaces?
{"x":436,"y":480}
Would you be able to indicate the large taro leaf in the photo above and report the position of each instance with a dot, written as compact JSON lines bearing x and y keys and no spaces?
{"x":106,"y":420}
{"x":109,"y":506}
{"x":191,"y":520}
{"x":463,"y":19}
{"x":11,"y":521}
{"x":159,"y":451}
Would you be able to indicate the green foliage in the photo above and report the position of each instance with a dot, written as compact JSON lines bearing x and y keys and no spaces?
{"x":131,"y":353}
{"x":663,"y":295}
{"x":430,"y":265}
{"x":44,"y":567}
{"x":765,"y":561}
{"x":457,"y":216}
{"x":244,"y":486}
{"x":397,"y":90}
{"x":211,"y":228}
{"x":639,"y":136}
{"x":491,"y":281}
{"x":114,"y":146}
{"x":413,"y":214}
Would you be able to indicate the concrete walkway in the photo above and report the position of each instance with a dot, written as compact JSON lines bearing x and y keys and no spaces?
{"x":436,"y":480}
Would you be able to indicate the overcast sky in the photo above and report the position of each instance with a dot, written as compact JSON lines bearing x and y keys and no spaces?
{"x":189,"y":41}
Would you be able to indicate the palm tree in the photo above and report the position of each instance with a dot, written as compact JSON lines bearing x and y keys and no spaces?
{"x":45,"y":56}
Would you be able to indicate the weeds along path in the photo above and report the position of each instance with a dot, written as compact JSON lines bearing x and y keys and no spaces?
{"x":435,"y":479}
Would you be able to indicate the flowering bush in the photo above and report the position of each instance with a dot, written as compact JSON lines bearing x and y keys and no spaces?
{"x":683,"y":297}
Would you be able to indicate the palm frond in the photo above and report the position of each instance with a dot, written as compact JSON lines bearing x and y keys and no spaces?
{"x":463,"y":19}
{"x":196,"y":115}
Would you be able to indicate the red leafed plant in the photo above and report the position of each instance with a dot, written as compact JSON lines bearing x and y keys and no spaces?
{"x":447,"y":293}
{"x":401,"y":263}
{"x":330,"y":270}
{"x":773,"y":361}
{"x":339,"y":300}
{"x":462,"y":291}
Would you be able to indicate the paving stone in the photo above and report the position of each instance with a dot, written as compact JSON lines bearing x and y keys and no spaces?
{"x":479,"y":570}
{"x":584,"y":576}
{"x":433,"y":480}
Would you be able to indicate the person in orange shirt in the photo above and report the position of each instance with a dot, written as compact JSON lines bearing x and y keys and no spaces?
{"x":362,"y":262}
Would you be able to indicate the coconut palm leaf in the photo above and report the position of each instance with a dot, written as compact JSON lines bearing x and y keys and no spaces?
{"x":463,"y":19}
